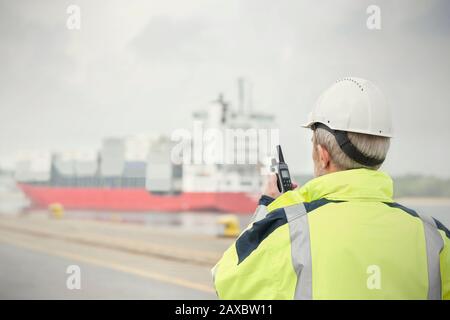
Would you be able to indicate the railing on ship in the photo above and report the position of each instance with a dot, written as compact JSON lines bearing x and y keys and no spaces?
{"x":94,"y":182}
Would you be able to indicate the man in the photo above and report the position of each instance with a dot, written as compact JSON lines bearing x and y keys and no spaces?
{"x":341,"y":235}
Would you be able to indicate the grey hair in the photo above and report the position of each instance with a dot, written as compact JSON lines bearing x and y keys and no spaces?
{"x":370,"y":145}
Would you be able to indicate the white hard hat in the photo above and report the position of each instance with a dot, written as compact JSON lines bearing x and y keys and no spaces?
{"x":353,"y":105}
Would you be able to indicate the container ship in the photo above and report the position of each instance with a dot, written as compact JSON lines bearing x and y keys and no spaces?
{"x":116,"y":179}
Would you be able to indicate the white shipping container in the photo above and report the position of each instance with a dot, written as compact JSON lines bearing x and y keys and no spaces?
{"x":64,"y":164}
{"x":85,"y":168}
{"x":159,"y":173}
{"x":85,"y":163}
{"x":112,"y":157}
{"x":33,"y":167}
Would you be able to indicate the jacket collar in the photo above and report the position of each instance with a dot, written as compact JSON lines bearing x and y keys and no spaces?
{"x":355,"y":184}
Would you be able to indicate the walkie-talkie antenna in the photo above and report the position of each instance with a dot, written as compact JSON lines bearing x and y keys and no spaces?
{"x":280,"y":154}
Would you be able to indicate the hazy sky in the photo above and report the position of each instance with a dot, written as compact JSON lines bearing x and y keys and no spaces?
{"x":144,"y":66}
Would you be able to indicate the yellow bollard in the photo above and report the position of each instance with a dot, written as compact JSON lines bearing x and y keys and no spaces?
{"x":230,"y":226}
{"x":56,"y":210}
{"x":115,"y":217}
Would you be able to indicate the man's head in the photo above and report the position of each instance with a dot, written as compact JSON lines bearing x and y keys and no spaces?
{"x":351,"y":125}
{"x":328,"y":156}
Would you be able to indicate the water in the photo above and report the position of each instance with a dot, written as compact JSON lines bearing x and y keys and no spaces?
{"x":208,"y":222}
{"x":12,"y":201}
{"x":439,"y":212}
{"x":187,"y":222}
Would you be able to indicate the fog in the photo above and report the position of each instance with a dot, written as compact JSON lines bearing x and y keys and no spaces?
{"x":144,"y":66}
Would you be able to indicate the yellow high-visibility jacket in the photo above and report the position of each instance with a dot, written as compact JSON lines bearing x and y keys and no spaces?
{"x":340,"y":236}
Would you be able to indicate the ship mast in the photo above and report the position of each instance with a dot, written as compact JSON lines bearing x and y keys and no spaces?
{"x":241,"y":96}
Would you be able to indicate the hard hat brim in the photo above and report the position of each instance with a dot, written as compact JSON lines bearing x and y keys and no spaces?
{"x":374,"y":133}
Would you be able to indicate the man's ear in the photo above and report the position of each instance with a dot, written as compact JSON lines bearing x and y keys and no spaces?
{"x":324,"y":156}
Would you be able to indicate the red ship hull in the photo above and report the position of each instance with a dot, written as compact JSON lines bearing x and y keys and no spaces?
{"x":137,"y":200}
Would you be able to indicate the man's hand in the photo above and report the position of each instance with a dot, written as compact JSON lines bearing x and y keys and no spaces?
{"x":270,"y":187}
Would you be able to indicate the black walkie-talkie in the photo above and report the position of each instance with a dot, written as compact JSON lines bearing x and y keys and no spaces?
{"x":282,"y":171}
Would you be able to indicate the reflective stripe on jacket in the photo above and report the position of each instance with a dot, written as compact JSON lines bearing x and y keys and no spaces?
{"x":340,"y":236}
